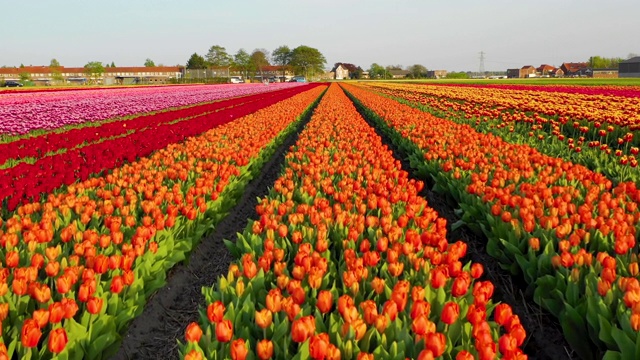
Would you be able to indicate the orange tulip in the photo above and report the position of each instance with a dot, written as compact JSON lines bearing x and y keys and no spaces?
{"x":215,"y":311}
{"x":239,"y":350}
{"x":318,"y":346}
{"x":193,"y":355}
{"x":94,"y":305}
{"x":325,"y":301}
{"x":57,"y":340}
{"x":41,"y":317}
{"x":502,"y":313}
{"x":302,"y":329}
{"x":193,"y":333}
{"x":264,"y":318}
{"x":264,"y":349}
{"x":436,"y":342}
{"x":224,"y":330}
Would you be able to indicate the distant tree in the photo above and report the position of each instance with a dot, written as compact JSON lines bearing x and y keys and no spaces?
{"x":21,"y":65}
{"x":242,"y":60}
{"x":259,"y":59}
{"x":307,"y":60}
{"x":218,"y":56}
{"x":394,"y":67}
{"x":196,"y":62}
{"x":376,"y":71}
{"x":149,"y":63}
{"x":457,"y":75}
{"x":356,"y":74}
{"x":599,"y":62}
{"x":94,"y":70}
{"x":113,"y":64}
{"x":282,"y":56}
{"x":56,"y":71}
{"x":417,"y":71}
{"x":25,"y":76}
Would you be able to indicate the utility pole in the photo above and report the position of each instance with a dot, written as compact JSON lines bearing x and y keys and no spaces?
{"x":481,"y":70}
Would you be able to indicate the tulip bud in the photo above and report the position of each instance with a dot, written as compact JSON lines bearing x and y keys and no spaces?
{"x":193,"y":333}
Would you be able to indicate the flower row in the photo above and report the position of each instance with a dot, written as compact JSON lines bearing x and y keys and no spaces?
{"x":39,"y":146}
{"x":78,"y":266}
{"x":574,"y":118}
{"x":25,"y":182}
{"x":610,"y":150}
{"x":24,"y":112}
{"x":346,"y":260}
{"x":568,"y":230}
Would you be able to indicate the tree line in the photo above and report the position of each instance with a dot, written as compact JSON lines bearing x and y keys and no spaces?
{"x":302,"y":60}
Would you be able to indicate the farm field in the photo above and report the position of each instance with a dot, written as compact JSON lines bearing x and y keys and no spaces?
{"x":356,"y":220}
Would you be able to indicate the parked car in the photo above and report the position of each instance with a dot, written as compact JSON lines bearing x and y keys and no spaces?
{"x":236,"y":80}
{"x":298,"y":79}
{"x":12,"y":84}
{"x":274,"y":80}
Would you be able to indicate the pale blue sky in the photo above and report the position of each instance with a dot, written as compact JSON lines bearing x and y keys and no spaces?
{"x":438,"y":34}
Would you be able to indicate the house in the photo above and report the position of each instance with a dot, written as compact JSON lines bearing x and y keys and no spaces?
{"x":513,"y":73}
{"x":629,"y":68}
{"x":437,"y":74}
{"x":576,"y":69}
{"x":604,"y":73}
{"x":398,"y":74}
{"x":546,"y":70}
{"x":345,"y":71}
{"x":527,"y":71}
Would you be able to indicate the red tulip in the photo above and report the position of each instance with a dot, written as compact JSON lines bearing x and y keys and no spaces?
{"x":30,"y":333}
{"x":450,"y":313}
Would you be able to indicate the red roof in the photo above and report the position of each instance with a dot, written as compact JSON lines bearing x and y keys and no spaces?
{"x":546,"y":68}
{"x":575,"y":67}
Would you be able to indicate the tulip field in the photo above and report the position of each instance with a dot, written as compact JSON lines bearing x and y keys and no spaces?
{"x":104,"y":192}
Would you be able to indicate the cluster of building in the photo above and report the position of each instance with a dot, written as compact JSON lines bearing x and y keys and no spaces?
{"x":627,"y":68}
{"x":343,"y":71}
{"x":46,"y":75}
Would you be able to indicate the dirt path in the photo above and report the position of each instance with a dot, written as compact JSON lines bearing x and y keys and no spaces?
{"x":545,"y":339}
{"x":153,"y":334}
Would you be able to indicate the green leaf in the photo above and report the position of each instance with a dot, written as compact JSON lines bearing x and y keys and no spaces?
{"x":612,"y":355}
{"x":627,"y":346}
{"x":575,"y":332}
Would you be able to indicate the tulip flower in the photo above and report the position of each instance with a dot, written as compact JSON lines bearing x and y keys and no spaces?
{"x":450,"y":313}
{"x":224,"y":331}
{"x":239,"y":350}
{"x":30,"y":333}
{"x":264,"y":349}
{"x":57,"y":340}
{"x":193,"y":333}
{"x":215,"y":311}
